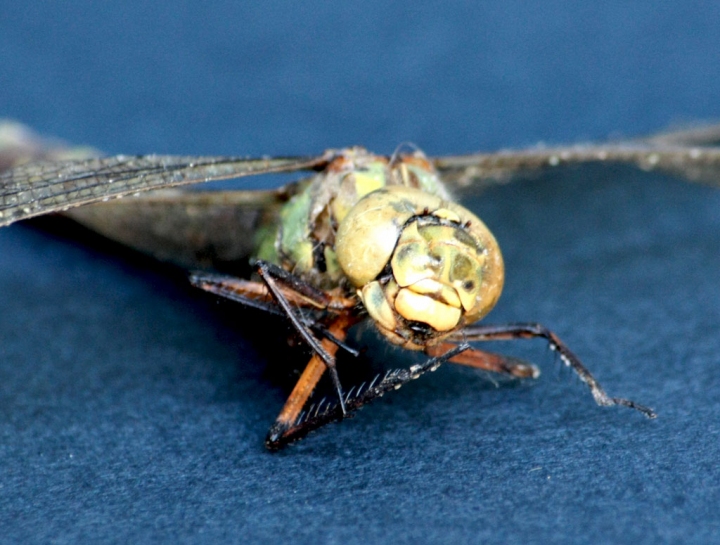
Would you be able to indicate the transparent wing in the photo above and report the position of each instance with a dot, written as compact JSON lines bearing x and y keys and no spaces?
{"x":40,"y":188}
{"x":193,"y":229}
{"x":704,"y":135}
{"x":686,"y":153}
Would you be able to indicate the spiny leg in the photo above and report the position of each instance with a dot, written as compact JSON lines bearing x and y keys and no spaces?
{"x":256,"y":295}
{"x":487,"y":361}
{"x":317,"y":416}
{"x":533,"y":330}
{"x":269,"y":273}
{"x":285,"y":424}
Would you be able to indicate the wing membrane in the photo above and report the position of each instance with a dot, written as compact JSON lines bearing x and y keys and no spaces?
{"x":43,"y":187}
{"x":193,"y":229}
{"x":701,"y":164}
{"x":689,"y":153}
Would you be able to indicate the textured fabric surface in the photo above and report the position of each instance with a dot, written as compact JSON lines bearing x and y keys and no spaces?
{"x":133,"y":409}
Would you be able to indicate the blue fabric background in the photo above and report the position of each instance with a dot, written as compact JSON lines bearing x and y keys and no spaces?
{"x":132,"y":410}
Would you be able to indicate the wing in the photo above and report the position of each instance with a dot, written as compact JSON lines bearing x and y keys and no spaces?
{"x":193,"y":229}
{"x":686,"y":153}
{"x":40,"y":188}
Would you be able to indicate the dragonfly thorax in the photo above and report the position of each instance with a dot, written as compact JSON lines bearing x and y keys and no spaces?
{"x":386,"y":230}
{"x":304,"y":240}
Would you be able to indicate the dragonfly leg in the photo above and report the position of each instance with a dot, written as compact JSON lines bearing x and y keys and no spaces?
{"x":296,"y":285}
{"x":487,"y":361}
{"x":286,"y":430}
{"x":532,"y":331}
{"x":256,"y":295}
{"x":270,"y":273}
{"x":285,"y":424}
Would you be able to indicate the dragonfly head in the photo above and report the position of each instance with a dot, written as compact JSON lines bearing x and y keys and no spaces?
{"x":422,"y":266}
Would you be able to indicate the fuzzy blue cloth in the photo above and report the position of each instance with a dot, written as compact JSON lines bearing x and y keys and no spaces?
{"x":133,"y":409}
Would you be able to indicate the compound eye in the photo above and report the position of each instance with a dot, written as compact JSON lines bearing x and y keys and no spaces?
{"x":413,"y":260}
{"x":466,"y":277}
{"x":446,"y":266}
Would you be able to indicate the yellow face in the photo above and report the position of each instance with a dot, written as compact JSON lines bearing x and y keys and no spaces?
{"x":423,"y":267}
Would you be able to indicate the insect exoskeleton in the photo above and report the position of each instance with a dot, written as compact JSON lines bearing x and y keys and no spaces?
{"x":423,"y":267}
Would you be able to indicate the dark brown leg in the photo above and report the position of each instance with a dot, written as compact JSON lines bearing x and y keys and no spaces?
{"x":270,"y":273}
{"x":325,"y":413}
{"x":532,"y":331}
{"x":285,"y":424}
{"x":256,"y":295}
{"x":487,"y":361}
{"x":292,"y":294}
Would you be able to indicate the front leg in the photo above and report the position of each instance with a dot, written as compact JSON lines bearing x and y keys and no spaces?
{"x":256,"y":295}
{"x":272,"y":275}
{"x":531,"y":331}
{"x":286,"y":430}
{"x":487,"y":361}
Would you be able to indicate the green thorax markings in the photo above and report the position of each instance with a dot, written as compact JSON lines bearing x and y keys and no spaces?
{"x":304,"y":240}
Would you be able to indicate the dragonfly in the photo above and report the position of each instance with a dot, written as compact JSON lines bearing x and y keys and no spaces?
{"x":362,"y":237}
